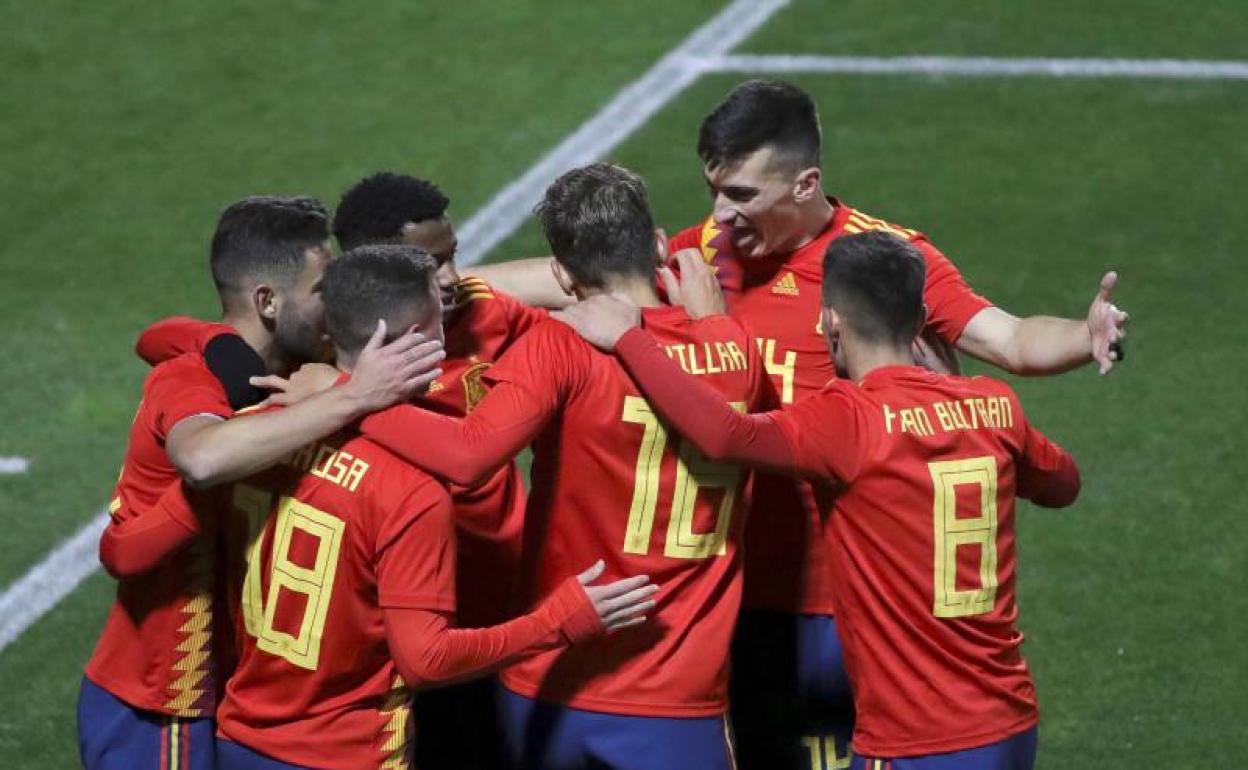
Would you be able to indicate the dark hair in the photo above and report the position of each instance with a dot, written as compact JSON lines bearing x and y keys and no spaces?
{"x":874,"y":280}
{"x":757,"y":114}
{"x":263,"y":239}
{"x":389,"y":282}
{"x":598,"y":223}
{"x":377,"y":207}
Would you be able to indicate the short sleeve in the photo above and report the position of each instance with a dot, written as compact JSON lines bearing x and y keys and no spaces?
{"x":549,"y":363}
{"x":830,"y":432}
{"x":951,"y":303}
{"x":182,"y":389}
{"x":415,"y":551}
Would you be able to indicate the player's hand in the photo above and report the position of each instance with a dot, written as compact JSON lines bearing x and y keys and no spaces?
{"x":306,"y":382}
{"x":932,"y":352}
{"x":388,"y":374}
{"x":696,"y":289}
{"x":1107,"y":325}
{"x":601,"y":319}
{"x":620,"y":604}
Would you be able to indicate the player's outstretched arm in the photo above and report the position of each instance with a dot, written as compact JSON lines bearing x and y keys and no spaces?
{"x":134,"y":543}
{"x":1041,"y":345}
{"x":208,"y":451}
{"x":529,"y":280}
{"x":462,"y":450}
{"x":696,"y":410}
{"x":427,"y":649}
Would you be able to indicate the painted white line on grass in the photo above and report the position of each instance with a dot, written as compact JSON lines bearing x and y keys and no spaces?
{"x":29,"y":597}
{"x":11,"y":466}
{"x":635,"y":104}
{"x":49,"y":581}
{"x":1187,"y":69}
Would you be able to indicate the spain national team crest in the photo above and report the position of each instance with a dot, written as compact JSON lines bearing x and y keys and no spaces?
{"x":474,"y":389}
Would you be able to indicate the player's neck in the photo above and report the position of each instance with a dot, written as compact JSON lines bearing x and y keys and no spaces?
{"x":260,"y":340}
{"x":640,"y":292}
{"x":861,"y":360}
{"x":812,"y":219}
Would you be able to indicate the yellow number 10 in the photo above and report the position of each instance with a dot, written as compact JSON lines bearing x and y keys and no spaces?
{"x":693,"y":472}
{"x":951,"y":532}
{"x":314,"y":583}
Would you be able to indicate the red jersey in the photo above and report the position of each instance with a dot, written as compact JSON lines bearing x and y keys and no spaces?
{"x":489,"y":517}
{"x":610,"y":481}
{"x":923,"y":541}
{"x":779,"y":299}
{"x":155,"y":652}
{"x":338,"y":532}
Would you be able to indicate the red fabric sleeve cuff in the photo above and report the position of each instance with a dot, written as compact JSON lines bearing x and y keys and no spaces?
{"x":574,"y":612}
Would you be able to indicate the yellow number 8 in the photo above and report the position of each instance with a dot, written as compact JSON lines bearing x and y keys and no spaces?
{"x":951,"y":532}
{"x":314,"y":583}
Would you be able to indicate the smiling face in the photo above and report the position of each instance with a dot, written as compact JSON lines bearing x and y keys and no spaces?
{"x":759,"y":200}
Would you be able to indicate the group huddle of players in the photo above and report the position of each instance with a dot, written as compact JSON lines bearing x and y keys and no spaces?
{"x":766,"y":515}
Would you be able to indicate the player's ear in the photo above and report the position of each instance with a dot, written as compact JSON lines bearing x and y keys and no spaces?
{"x":407,"y":229}
{"x":808,"y":184}
{"x":829,"y":325}
{"x":265,"y":302}
{"x":660,"y":246}
{"x":563,"y":278}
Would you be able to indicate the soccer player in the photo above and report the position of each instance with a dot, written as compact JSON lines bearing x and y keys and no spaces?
{"x":459,"y":724}
{"x":348,"y":597}
{"x":927,"y":468}
{"x":150,"y":688}
{"x":608,"y":477}
{"x":771,"y":225}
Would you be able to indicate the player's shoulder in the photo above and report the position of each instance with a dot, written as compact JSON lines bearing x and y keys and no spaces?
{"x":182,"y":371}
{"x":854,"y":221}
{"x":388,"y":476}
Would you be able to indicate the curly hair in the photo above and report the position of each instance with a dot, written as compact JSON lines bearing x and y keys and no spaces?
{"x":376,"y":208}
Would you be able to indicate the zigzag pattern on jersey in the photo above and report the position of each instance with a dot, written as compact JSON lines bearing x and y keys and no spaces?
{"x":473,"y":289}
{"x":859,"y":222}
{"x":193,"y":690}
{"x":396,"y":707}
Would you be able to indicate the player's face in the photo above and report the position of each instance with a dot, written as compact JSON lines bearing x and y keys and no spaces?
{"x":300,"y":328}
{"x":755,"y":199}
{"x":437,"y":238}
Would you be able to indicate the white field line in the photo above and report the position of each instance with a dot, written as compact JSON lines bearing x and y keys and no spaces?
{"x":630,"y":109}
{"x":1184,"y":69}
{"x":12,"y":466}
{"x":60,"y":572}
{"x":29,"y":597}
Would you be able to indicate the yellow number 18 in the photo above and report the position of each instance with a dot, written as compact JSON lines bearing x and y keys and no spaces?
{"x":693,"y":472}
{"x":315,"y":583}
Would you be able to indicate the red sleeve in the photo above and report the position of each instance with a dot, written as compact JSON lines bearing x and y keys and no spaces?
{"x":171,"y":337}
{"x":185,"y":392}
{"x":135,"y":543}
{"x":830,"y":432}
{"x":689,"y":238}
{"x":950,"y":302}
{"x":415,"y":551}
{"x":699,"y":413}
{"x":1047,"y":474}
{"x":531,"y":381}
{"x":427,"y":650}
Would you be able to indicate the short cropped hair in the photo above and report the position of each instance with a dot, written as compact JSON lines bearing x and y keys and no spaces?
{"x":874,"y":281}
{"x":757,"y":114}
{"x":377,"y":207}
{"x":262,"y":239}
{"x":390,"y":282}
{"x":598,"y":223}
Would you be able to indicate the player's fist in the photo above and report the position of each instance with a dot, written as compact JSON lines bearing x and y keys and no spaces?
{"x":620,"y":604}
{"x":1106,"y":325}
{"x":696,"y":288}
{"x":601,"y":319}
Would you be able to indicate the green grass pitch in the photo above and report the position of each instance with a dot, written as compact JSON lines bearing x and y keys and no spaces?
{"x":128,"y":126}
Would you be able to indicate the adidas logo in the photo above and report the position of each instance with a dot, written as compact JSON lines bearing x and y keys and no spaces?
{"x":786,"y":285}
